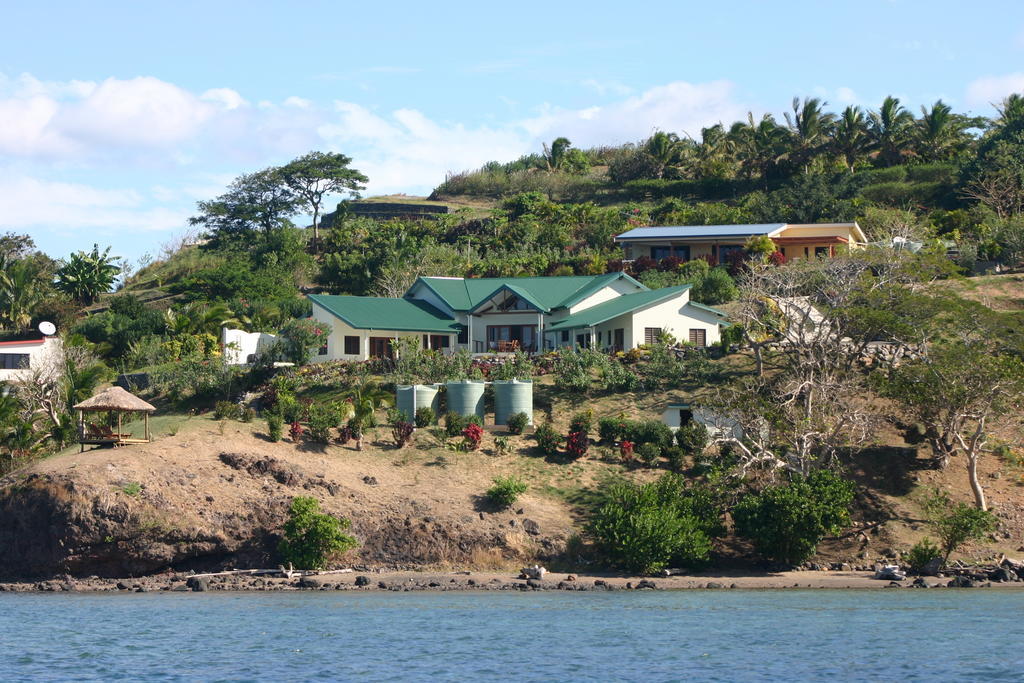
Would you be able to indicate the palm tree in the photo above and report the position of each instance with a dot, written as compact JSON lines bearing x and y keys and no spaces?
{"x":193,"y":318}
{"x":665,"y":148}
{"x":810,"y":126}
{"x":758,"y":146}
{"x":891,"y":131}
{"x":851,"y":139}
{"x":361,"y":402}
{"x":555,"y":154}
{"x":712,"y":157}
{"x":21,"y":291}
{"x":939,"y":132}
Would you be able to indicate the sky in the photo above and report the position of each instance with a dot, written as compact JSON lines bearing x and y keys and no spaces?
{"x":117,"y":116}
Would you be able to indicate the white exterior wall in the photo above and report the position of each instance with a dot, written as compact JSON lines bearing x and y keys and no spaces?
{"x":612,"y":291}
{"x":38,"y":351}
{"x":676,"y":318}
{"x":424,"y":293}
{"x":340,"y":329}
{"x":718,"y":426}
{"x":239,"y":345}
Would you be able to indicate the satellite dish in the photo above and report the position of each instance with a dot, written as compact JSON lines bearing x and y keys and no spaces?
{"x":47,"y":328}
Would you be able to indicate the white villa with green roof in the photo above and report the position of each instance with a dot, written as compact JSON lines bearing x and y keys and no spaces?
{"x":489,"y":315}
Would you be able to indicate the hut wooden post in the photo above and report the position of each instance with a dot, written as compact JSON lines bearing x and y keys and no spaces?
{"x":81,"y":430}
{"x":119,"y":425}
{"x":146,"y":418}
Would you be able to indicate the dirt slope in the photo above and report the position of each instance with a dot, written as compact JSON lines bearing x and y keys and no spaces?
{"x":203,"y":499}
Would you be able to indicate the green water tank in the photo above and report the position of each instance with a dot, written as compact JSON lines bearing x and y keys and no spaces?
{"x":511,"y":397}
{"x":466,"y":398}
{"x":410,"y":398}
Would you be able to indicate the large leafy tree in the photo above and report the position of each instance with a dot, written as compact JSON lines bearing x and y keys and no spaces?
{"x":255,"y":202}
{"x":996,"y":179}
{"x":313,"y":176}
{"x":970,"y":377}
{"x":86,"y":275}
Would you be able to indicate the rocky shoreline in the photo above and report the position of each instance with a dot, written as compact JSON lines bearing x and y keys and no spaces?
{"x":496,"y":581}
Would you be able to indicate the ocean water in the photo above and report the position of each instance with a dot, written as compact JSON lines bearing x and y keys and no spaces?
{"x":926,"y":635}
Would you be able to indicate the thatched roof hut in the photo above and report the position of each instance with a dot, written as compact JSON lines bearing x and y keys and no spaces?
{"x":116,"y":401}
{"x":116,"y":398}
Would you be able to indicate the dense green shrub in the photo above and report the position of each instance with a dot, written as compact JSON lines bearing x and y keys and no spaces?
{"x":648,"y":452}
{"x":692,"y":438}
{"x":425,"y":416}
{"x":454,"y":424}
{"x":302,"y":338}
{"x":275,"y":426}
{"x":647,"y":527}
{"x":581,"y":422}
{"x":548,"y":440}
{"x":922,"y":553}
{"x":517,"y":422}
{"x":786,"y":522}
{"x":225,"y":410}
{"x":312,"y":538}
{"x":610,"y":429}
{"x":247,"y":414}
{"x":506,"y":491}
{"x":617,"y":378}
{"x":648,"y":431}
{"x":322,"y":419}
{"x":289,"y":407}
{"x":676,"y":458}
{"x":960,"y":523}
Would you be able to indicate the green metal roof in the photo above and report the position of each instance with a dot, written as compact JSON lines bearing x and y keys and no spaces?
{"x":595,"y":315}
{"x":386,"y":313}
{"x":548,"y":293}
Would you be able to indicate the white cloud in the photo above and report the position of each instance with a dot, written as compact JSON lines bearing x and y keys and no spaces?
{"x":407,"y":151}
{"x":845,"y":95}
{"x":27,"y":202}
{"x":298,"y":102}
{"x":606,"y":87}
{"x":993,"y":89}
{"x":225,"y":97}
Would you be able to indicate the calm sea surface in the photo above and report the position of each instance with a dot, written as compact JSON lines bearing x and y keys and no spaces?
{"x":964,"y":635}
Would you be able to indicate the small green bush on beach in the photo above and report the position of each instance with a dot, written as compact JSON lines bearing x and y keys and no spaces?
{"x":312,"y":538}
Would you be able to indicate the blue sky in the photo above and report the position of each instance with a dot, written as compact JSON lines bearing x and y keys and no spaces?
{"x":115,"y":117}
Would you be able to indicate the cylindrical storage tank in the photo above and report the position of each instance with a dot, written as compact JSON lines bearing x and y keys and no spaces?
{"x":466,"y":398}
{"x":427,"y":395}
{"x":405,"y":401}
{"x":511,"y":397}
{"x":410,"y":398}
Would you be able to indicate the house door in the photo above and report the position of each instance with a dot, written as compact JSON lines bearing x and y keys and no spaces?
{"x":380,"y":347}
{"x":436,"y":341}
{"x":699,"y":338}
{"x":620,"y":339}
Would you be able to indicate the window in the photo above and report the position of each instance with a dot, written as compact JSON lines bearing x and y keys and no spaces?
{"x":322,"y":351}
{"x":565,"y":335}
{"x":514,"y":303}
{"x":821,"y":252}
{"x":658,"y":253}
{"x":600,"y":337}
{"x":651,"y":335}
{"x":352,"y":346}
{"x":699,"y":338}
{"x":13,"y":361}
{"x":464,"y":335}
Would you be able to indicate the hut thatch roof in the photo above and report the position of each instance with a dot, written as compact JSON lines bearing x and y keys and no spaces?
{"x":115,"y":398}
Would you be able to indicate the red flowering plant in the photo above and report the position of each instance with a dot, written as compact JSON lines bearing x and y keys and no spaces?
{"x":295,"y":431}
{"x":302,"y":338}
{"x":626,"y":450}
{"x":473,"y":434}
